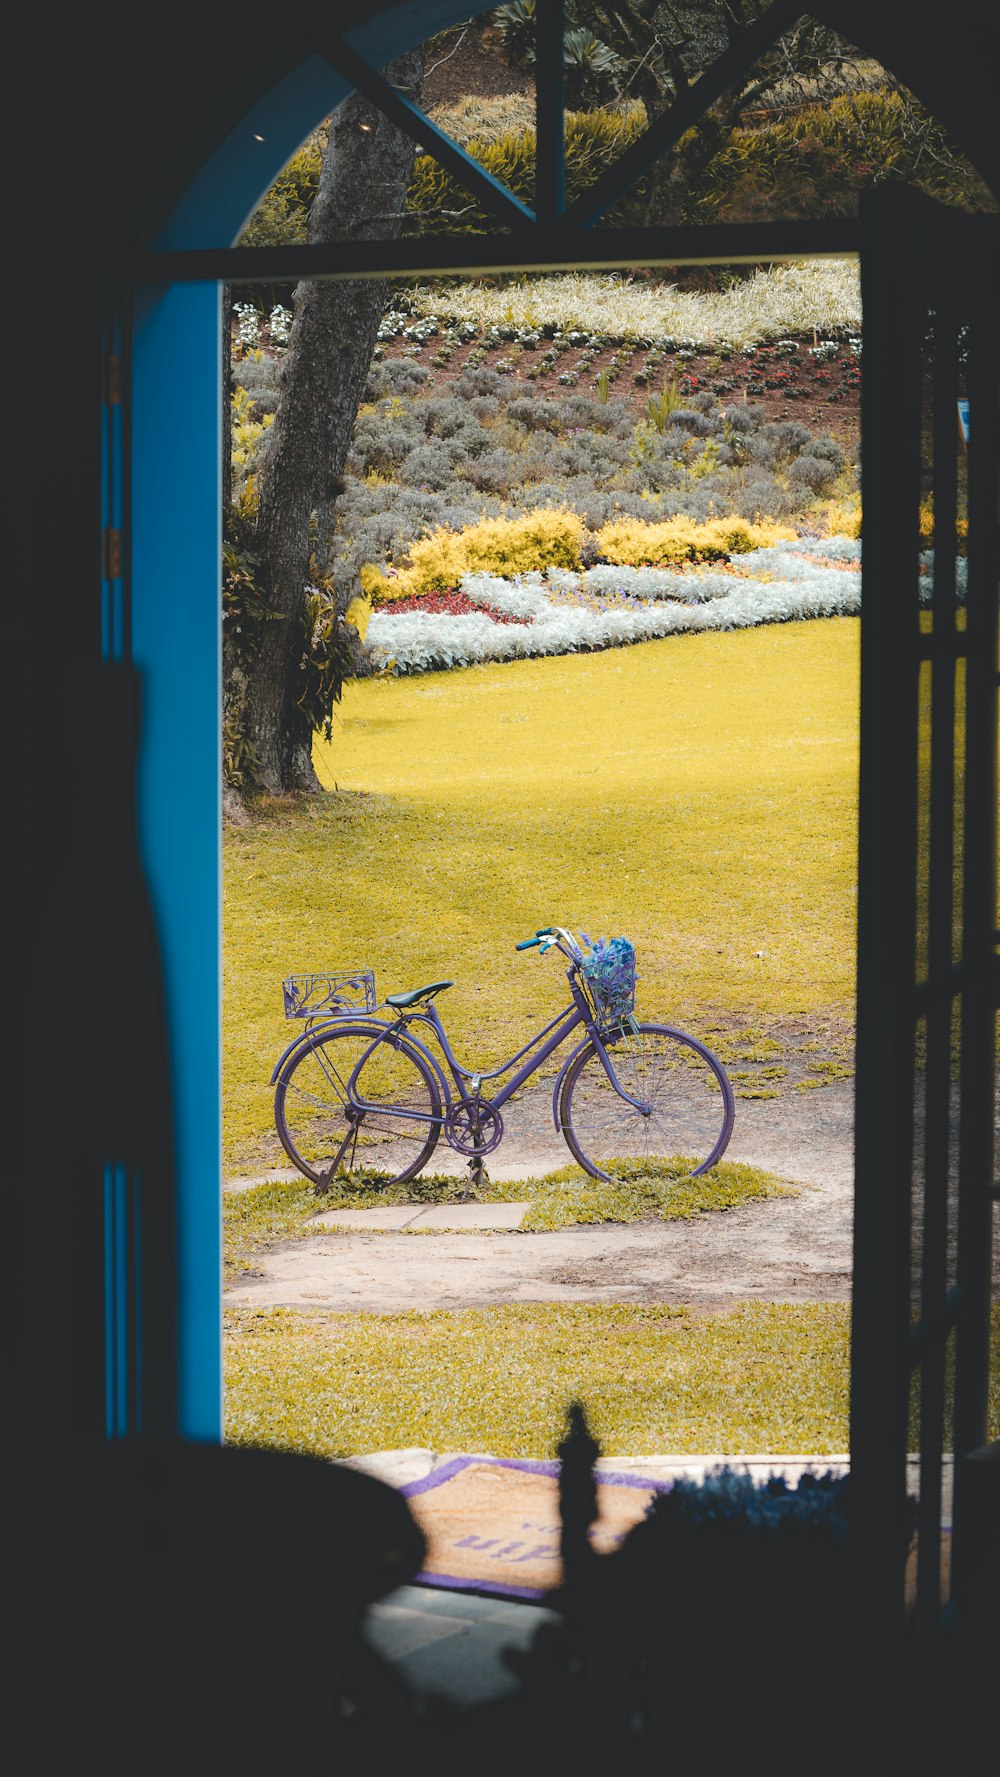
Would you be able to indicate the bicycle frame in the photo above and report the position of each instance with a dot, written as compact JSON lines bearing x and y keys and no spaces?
{"x":466,"y":1080}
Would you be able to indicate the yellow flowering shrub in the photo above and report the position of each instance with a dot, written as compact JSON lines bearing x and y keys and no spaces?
{"x":629,"y":543}
{"x":547,"y":538}
{"x":840,"y":518}
{"x":927,"y":529}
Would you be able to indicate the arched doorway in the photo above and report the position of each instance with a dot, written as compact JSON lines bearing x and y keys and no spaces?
{"x":174,"y":346}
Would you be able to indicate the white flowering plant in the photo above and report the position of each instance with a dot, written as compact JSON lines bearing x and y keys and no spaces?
{"x":561,"y":612}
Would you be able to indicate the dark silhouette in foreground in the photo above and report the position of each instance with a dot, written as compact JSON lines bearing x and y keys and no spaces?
{"x":182,"y":1605}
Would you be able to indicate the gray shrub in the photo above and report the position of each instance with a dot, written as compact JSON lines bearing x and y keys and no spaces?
{"x":403,"y":375}
{"x":381,"y":448}
{"x":691,"y":421}
{"x":442,"y":416}
{"x":430,"y":465}
{"x":742,"y":418}
{"x":539,"y":493}
{"x":257,"y":374}
{"x":473,"y":439}
{"x":816,"y":473}
{"x":761,"y":497}
{"x":786,"y":437}
{"x":826,"y":447}
{"x":494,"y":472}
{"x":760,"y":451}
{"x":478,"y":382}
{"x":534,"y":413}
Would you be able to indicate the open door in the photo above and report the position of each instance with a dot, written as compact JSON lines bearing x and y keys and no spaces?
{"x":928,"y":969}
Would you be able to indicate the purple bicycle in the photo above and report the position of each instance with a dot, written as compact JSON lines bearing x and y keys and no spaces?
{"x":357,"y":1091}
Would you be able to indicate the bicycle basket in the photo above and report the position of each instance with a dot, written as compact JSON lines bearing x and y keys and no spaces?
{"x":323,"y":996}
{"x":609,"y":976}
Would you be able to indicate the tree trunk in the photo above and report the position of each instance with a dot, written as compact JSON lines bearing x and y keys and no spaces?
{"x":361,"y":196}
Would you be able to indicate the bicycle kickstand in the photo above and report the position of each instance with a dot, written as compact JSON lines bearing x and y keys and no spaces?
{"x":478,"y":1176}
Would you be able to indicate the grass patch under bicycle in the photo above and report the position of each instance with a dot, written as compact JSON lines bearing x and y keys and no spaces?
{"x":266,"y":1216}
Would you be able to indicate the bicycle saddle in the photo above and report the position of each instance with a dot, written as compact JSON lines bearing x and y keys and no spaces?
{"x":410,"y":999}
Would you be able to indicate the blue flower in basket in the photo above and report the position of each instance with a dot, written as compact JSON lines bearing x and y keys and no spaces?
{"x":610,"y":974}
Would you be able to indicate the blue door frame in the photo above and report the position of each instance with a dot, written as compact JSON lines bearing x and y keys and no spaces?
{"x":175,"y":474}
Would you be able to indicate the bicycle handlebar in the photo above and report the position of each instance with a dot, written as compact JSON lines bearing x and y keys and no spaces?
{"x":548,"y":937}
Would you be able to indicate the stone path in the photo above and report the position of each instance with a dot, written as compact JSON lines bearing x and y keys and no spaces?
{"x":787,"y":1249}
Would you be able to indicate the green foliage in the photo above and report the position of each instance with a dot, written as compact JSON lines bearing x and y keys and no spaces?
{"x":659,"y":407}
{"x":811,"y":162}
{"x":815,"y":162}
{"x":326,"y":648}
{"x":280,"y":218}
{"x":244,"y":611}
{"x":593,"y":140}
{"x":591,"y":67}
{"x":325,"y":662}
{"x":515,"y":27}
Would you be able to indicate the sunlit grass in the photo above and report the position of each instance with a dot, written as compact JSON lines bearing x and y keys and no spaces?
{"x":759,"y":1378}
{"x":698,"y":794}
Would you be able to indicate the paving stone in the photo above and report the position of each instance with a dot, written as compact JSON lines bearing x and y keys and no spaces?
{"x":453,"y":1643}
{"x":393,"y":1216}
{"x":395,"y":1630}
{"x":454,"y":1217}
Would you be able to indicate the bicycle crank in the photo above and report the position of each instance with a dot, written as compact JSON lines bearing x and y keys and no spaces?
{"x":473,"y":1127}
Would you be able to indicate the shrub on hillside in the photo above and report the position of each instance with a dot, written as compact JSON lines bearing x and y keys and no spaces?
{"x":540,"y":539}
{"x":818,"y":474}
{"x":483,"y":381}
{"x":494,"y":471}
{"x":430,"y":465}
{"x":661,"y":545}
{"x":815,"y":162}
{"x":594,"y":140}
{"x":760,"y":498}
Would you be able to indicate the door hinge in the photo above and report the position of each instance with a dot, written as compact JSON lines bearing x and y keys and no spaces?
{"x":113,"y":379}
{"x":112,"y":552}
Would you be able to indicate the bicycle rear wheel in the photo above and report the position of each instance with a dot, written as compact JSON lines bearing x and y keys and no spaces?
{"x":322,"y":1133}
{"x":687,"y":1103}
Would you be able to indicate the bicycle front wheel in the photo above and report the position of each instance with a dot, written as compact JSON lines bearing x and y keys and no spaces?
{"x":322,"y":1130}
{"x":684,"y":1106}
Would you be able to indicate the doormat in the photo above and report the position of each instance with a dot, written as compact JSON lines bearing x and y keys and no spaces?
{"x":492,"y":1523}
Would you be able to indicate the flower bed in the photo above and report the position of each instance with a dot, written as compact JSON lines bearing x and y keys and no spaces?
{"x":563,"y":611}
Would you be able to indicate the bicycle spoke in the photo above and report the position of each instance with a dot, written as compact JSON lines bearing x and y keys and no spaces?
{"x":321,"y":1123}
{"x":685,"y":1112}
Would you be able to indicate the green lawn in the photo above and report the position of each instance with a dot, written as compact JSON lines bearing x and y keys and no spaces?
{"x":759,"y":1378}
{"x":697,"y":793}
